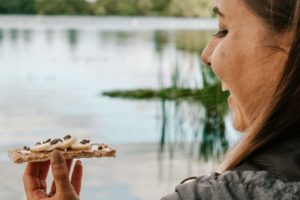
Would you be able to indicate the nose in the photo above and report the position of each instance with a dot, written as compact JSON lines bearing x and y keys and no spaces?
{"x":208,"y":52}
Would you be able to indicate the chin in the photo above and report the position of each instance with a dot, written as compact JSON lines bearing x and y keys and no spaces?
{"x":239,"y":127}
{"x":239,"y":124}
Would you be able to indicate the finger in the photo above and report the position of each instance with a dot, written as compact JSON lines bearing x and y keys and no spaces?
{"x":60,"y":171}
{"x":69,"y":164}
{"x":44,"y":169}
{"x":31,"y":181}
{"x":77,"y":177}
{"x":31,"y":177}
{"x":53,"y":187}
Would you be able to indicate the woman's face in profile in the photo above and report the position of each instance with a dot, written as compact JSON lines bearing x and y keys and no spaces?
{"x":241,"y":56}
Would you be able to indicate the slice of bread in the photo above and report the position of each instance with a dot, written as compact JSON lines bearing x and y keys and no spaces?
{"x":20,"y":155}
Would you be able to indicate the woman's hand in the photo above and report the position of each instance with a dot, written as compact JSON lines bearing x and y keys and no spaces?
{"x":62,"y":188}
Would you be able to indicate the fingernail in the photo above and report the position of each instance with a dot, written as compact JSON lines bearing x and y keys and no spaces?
{"x":57,"y":157}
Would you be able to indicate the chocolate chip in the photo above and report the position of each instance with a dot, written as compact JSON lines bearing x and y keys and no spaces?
{"x":38,"y":143}
{"x":55,"y":141}
{"x":26,"y":148}
{"x":67,"y":137}
{"x":85,"y":141}
{"x":100,"y":148}
{"x":49,"y":140}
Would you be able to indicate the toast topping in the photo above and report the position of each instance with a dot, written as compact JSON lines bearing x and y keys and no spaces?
{"x":55,"y":144}
{"x":68,"y":142}
{"x":83,"y":145}
{"x":69,"y":146}
{"x":49,"y":140}
{"x":40,"y":147}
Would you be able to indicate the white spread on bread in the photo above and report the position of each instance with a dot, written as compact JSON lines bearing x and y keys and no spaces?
{"x":83,"y":145}
{"x":38,"y":147}
{"x":68,"y":141}
{"x":55,"y":144}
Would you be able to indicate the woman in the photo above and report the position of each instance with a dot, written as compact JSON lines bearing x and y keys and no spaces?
{"x":256,"y":55}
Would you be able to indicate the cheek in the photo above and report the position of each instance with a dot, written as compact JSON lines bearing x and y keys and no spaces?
{"x":224,"y":65}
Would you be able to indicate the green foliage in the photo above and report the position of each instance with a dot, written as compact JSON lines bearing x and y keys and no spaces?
{"x":147,"y":94}
{"x":192,"y":41}
{"x":63,"y":7}
{"x":145,"y":7}
{"x":190,"y":8}
{"x":186,"y":8}
{"x":209,"y":96}
{"x":105,"y":7}
{"x":115,"y":7}
{"x":17,"y":7}
{"x":160,"y":5}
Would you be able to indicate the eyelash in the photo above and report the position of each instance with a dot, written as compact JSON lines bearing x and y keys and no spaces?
{"x":220,"y":34}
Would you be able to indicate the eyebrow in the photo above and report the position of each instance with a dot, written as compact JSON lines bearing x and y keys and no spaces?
{"x":217,"y":11}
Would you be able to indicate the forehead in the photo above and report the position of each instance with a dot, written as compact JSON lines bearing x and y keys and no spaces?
{"x":233,"y":9}
{"x":240,"y":21}
{"x":237,"y":13}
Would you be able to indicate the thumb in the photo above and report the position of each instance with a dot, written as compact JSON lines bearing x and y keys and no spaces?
{"x":60,"y":171}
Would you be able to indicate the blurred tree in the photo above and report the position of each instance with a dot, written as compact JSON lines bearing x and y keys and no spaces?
{"x":17,"y":7}
{"x":116,"y":7}
{"x":160,"y":6}
{"x":187,"y":8}
{"x":145,"y":7}
{"x":190,"y":8}
{"x":127,"y":7}
{"x":105,"y":7}
{"x":63,"y":7}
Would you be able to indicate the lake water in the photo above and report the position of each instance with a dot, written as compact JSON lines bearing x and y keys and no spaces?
{"x":54,"y":71}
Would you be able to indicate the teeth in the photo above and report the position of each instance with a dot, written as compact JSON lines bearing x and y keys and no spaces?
{"x":224,"y":88}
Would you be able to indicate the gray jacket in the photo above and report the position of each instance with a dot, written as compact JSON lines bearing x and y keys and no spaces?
{"x":245,"y":185}
{"x":271,"y":173}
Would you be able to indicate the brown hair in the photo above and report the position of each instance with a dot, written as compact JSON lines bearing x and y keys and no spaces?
{"x":282,"y":117}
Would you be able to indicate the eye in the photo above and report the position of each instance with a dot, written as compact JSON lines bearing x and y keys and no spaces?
{"x":220,"y":34}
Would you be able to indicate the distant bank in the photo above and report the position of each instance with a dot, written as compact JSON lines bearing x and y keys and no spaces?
{"x":178,"y":8}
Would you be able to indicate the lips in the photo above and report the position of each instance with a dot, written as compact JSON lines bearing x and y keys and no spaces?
{"x":230,"y":101}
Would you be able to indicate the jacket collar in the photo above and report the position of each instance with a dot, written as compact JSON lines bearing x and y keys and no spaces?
{"x":281,"y":158}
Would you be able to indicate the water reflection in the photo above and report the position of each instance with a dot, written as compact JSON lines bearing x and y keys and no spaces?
{"x":197,"y":128}
{"x":1,"y":36}
{"x":207,"y":134}
{"x":192,"y":41}
{"x":27,"y":35}
{"x":72,"y":36}
{"x":49,"y":36}
{"x":13,"y":35}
